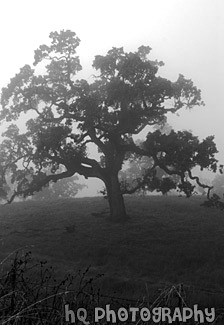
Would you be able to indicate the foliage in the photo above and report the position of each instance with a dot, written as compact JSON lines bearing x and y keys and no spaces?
{"x":138,"y":167}
{"x":125,"y":97}
{"x":217,"y":192}
{"x":214,"y":201}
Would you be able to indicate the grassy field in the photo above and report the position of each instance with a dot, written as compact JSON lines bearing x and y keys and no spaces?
{"x":168,"y":240}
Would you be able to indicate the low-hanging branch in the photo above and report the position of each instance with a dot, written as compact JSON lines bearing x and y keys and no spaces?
{"x":37,"y":185}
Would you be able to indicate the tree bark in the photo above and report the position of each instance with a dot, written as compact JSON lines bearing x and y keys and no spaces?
{"x":115,"y":199}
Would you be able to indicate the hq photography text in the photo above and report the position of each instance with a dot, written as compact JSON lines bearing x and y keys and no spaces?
{"x":134,"y":314}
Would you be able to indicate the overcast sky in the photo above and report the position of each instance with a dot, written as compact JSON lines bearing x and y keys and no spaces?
{"x":188,"y":35}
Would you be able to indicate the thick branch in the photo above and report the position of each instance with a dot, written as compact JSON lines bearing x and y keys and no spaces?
{"x":77,"y":165}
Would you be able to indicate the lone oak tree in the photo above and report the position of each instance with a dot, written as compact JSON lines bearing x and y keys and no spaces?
{"x":124,"y":98}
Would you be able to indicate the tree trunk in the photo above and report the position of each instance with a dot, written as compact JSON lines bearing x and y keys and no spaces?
{"x":115,"y":199}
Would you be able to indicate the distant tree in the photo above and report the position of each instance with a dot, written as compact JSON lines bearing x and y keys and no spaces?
{"x":63,"y":188}
{"x":159,"y":181}
{"x":126,"y":96}
{"x":218,"y":185}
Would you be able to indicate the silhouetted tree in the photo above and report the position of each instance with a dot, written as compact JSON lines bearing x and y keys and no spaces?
{"x":124,"y":98}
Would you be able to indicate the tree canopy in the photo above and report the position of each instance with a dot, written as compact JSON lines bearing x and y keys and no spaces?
{"x":126,"y":96}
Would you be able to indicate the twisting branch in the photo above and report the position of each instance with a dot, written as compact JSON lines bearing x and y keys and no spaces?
{"x":196,"y":178}
{"x":78,"y":137}
{"x":97,"y":141}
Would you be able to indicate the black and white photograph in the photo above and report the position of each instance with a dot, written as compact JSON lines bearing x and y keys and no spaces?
{"x":112,"y":162}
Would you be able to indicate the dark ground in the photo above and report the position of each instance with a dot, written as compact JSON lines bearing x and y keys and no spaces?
{"x":167,"y":241}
